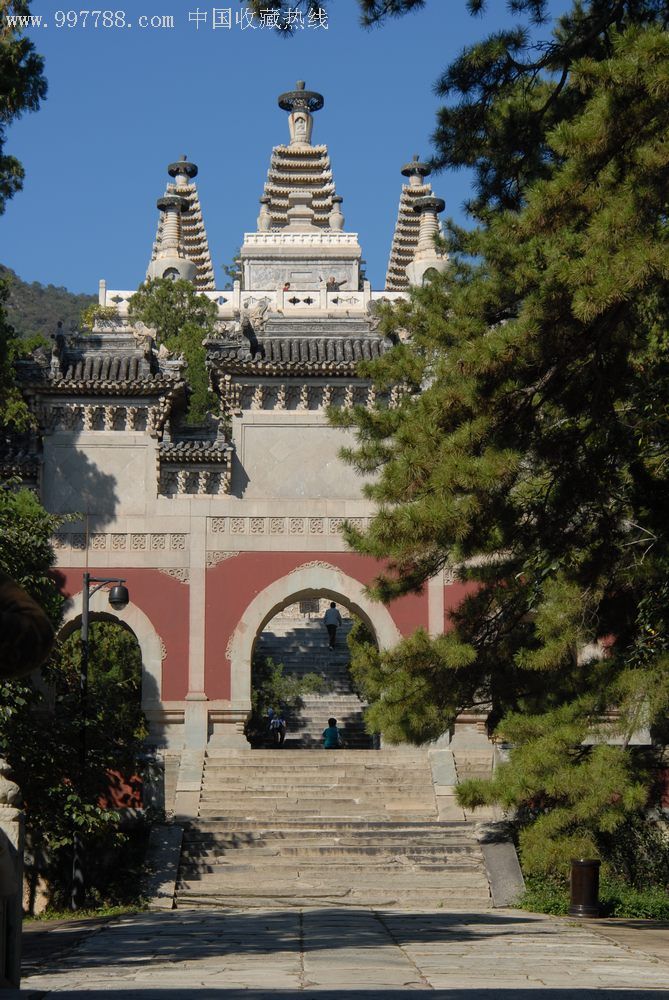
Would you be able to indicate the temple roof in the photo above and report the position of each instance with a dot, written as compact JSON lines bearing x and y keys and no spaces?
{"x":193,"y":236}
{"x":195,"y":451}
{"x":329,"y":348}
{"x":108,"y":364}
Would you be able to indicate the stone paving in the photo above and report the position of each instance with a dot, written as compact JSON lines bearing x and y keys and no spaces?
{"x":348,"y":954}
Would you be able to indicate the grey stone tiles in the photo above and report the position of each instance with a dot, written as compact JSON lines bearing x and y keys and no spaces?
{"x":349,"y":954}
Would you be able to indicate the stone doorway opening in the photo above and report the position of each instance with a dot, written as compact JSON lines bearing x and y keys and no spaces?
{"x":296,"y":638}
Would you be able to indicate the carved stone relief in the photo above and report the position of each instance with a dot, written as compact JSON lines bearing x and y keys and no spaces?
{"x":214,"y":558}
{"x":183,"y":575}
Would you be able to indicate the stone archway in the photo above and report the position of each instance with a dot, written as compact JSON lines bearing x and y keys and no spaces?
{"x":142,"y":628}
{"x":307,"y":581}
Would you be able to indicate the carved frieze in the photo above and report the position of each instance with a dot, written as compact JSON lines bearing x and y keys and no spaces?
{"x":214,"y":558}
{"x":300,"y":394}
{"x":178,"y":541}
{"x":183,"y":575}
{"x":316,"y":564}
{"x":76,"y":416}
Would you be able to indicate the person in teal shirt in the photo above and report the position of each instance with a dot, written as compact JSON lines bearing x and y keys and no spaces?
{"x":331,"y":736}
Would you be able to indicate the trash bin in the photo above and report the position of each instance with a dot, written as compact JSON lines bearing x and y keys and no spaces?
{"x":584,"y":900}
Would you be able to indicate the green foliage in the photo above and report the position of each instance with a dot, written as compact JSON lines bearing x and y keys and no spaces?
{"x":638,"y":854}
{"x":14,"y":413}
{"x":233,"y":270}
{"x":101,"y":912}
{"x":634,"y":875}
{"x":95,"y":313}
{"x":545,"y":895}
{"x":23,"y":88}
{"x":40,"y":725}
{"x":504,"y":96}
{"x":34,"y":310}
{"x":272,"y":688}
{"x":530,"y":448}
{"x":26,"y":549}
{"x":409,"y":690}
{"x":182,"y":319}
{"x":59,"y":797}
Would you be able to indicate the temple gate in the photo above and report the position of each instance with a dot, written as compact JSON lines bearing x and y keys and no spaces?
{"x":214,"y":528}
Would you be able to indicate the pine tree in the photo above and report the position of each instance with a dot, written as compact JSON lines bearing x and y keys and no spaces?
{"x":22,"y":89}
{"x":182,"y":319}
{"x":531,"y":448}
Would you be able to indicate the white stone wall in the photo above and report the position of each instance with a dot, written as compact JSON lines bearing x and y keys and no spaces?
{"x":291,"y":455}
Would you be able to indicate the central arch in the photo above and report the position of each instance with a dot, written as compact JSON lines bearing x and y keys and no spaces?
{"x":303,"y":583}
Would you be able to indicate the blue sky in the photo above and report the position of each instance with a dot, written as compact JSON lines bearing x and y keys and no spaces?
{"x":124,"y":102}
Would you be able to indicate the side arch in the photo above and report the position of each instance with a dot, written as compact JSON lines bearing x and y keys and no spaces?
{"x":302,"y":583}
{"x":142,"y":628}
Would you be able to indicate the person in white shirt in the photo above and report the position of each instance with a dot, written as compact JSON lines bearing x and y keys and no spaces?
{"x":331,"y":620}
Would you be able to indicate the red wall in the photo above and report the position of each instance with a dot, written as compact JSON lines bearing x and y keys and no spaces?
{"x":234,"y":583}
{"x":164,"y":601}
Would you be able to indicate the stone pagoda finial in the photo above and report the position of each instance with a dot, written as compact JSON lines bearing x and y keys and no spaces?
{"x":300,"y":104}
{"x":416,"y":171}
{"x":170,"y":261}
{"x":427,"y":256}
{"x":182,"y":171}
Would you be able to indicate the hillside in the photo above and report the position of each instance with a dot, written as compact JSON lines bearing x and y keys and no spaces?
{"x":34,"y":309}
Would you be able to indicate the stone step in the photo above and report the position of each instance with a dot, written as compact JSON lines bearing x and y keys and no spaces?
{"x":268,"y":785}
{"x":305,"y":758}
{"x":419,"y":899}
{"x":330,"y":879}
{"x":317,"y":761}
{"x":304,"y":828}
{"x":361,"y":864}
{"x":382,"y":855}
{"x":335,"y":826}
{"x":324,"y":838}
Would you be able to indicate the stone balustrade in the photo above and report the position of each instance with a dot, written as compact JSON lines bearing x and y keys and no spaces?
{"x":289,"y":302}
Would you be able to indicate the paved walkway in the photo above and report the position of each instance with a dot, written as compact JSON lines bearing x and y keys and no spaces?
{"x":347,"y":954}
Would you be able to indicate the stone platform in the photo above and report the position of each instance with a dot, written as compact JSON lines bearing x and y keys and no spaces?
{"x":315,"y":952}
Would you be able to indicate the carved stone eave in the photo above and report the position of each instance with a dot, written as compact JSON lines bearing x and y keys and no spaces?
{"x":289,"y":369}
{"x":194,"y":468}
{"x":93,"y":387}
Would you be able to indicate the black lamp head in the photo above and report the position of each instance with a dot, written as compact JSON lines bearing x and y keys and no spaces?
{"x":119,"y":597}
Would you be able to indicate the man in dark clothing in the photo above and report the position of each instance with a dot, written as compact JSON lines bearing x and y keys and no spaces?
{"x":331,"y":620}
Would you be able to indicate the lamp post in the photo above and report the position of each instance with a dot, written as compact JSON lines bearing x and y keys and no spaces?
{"x":118,"y":598}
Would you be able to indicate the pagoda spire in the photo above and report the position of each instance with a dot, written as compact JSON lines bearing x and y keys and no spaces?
{"x":299,"y":166}
{"x":181,"y":228}
{"x":407,"y":228}
{"x":428,"y":256}
{"x":300,"y":103}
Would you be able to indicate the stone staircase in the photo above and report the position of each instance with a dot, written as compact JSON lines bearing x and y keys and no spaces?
{"x":301,"y":645}
{"x":326,"y":828}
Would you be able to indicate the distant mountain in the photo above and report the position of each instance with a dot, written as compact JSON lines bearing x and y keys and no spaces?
{"x":35,"y":309}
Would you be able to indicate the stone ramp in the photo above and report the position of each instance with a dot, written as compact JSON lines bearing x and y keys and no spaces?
{"x":327,"y":828}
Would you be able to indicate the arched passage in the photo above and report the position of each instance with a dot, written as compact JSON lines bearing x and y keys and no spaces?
{"x":303,"y":583}
{"x":141,"y":627}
